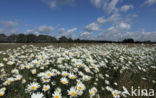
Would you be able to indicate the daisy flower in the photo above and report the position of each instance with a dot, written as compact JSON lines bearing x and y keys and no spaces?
{"x":58,"y":90}
{"x":80,"y":86}
{"x":72,"y":76}
{"x":5,"y":59}
{"x":72,"y":92}
{"x":33,"y":71}
{"x":1,"y":64}
{"x":91,"y":92}
{"x":10,"y":80}
{"x":116,"y":93}
{"x":64,"y":73}
{"x":64,"y":81}
{"x":45,"y":80}
{"x":3,"y":89}
{"x":86,"y":77}
{"x":48,"y":74}
{"x":45,"y":88}
{"x":15,"y":71}
{"x":32,"y":86}
{"x":37,"y":95}
{"x":1,"y":93}
{"x":10,"y":63}
{"x":57,"y":95}
{"x":94,"y":89}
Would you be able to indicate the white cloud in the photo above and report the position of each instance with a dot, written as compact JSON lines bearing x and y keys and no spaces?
{"x":125,"y":8}
{"x":150,"y":2}
{"x":123,"y":25}
{"x":97,"y":3}
{"x":118,"y":25}
{"x":55,"y":3}
{"x":112,"y":6}
{"x":67,"y":33}
{"x":86,"y":35}
{"x":92,"y":27}
{"x":114,"y":33}
{"x":95,"y":26}
{"x":52,"y":4}
{"x":43,"y":29}
{"x":9,"y":24}
{"x":141,"y":35}
{"x":9,"y":27}
{"x":108,"y":5}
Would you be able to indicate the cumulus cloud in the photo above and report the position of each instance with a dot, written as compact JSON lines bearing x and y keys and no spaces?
{"x":108,"y":5}
{"x":115,"y":18}
{"x":95,"y":26}
{"x":86,"y":35}
{"x":112,"y":6}
{"x":67,"y":33}
{"x":123,"y":25}
{"x":114,"y":33}
{"x":150,"y":2}
{"x":125,"y":8}
{"x":9,"y":27}
{"x":9,"y":24}
{"x":141,"y":35}
{"x":55,"y":3}
{"x":43,"y":29}
{"x":97,"y":3}
{"x":118,"y":24}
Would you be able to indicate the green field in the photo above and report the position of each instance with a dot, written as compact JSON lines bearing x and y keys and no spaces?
{"x":77,"y":70}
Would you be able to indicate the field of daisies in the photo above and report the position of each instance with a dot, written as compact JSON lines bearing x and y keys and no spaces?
{"x":81,"y":71}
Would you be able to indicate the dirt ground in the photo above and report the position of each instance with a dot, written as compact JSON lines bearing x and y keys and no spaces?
{"x":5,"y":46}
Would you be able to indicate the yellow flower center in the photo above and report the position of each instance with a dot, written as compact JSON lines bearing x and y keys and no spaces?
{"x":64,"y":82}
{"x":57,"y":96}
{"x":73,"y":93}
{"x":48,"y":74}
{"x":91,"y":93}
{"x":22,"y":67}
{"x":45,"y":79}
{"x":115,"y":94}
{"x":79,"y":64}
{"x":79,"y":87}
{"x":94,"y":90}
{"x":72,"y":77}
{"x":64,"y":74}
{"x":9,"y":81}
{"x":29,"y":66}
{"x":36,"y":63}
{"x":57,"y":90}
{"x":45,"y":88}
{"x":1,"y":94}
{"x":3,"y":90}
{"x":33,"y":87}
{"x":9,"y":63}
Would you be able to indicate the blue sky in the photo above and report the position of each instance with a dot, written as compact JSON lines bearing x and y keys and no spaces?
{"x":85,"y":19}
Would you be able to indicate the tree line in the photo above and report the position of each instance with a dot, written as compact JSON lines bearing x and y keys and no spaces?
{"x":32,"y":38}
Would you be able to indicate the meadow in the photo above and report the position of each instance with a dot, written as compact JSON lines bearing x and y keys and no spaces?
{"x":70,"y":70}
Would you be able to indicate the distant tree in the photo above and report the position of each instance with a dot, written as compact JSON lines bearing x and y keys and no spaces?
{"x":63,"y":39}
{"x":41,"y":38}
{"x":148,"y":41}
{"x":70,"y":40}
{"x":129,"y":40}
{"x":31,"y":38}
{"x":77,"y":40}
{"x":3,"y":38}
{"x":51,"y":39}
{"x":21,"y":38}
{"x":12,"y":38}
